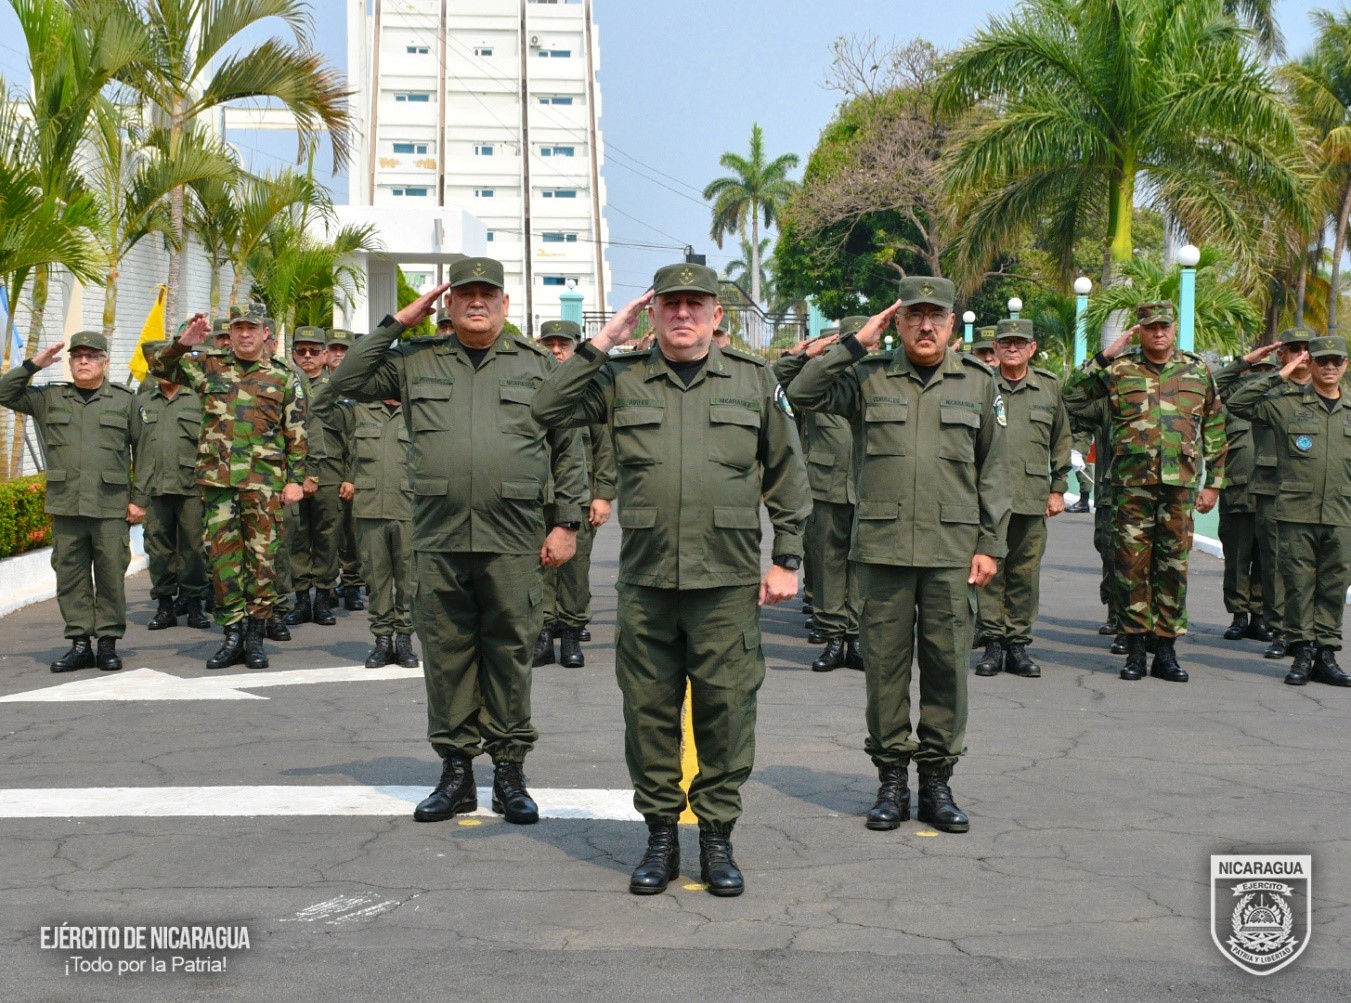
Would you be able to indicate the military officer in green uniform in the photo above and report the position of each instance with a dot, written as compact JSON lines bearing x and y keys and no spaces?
{"x":250,"y":462}
{"x":312,"y":536}
{"x":1167,"y":422}
{"x":1094,"y":421}
{"x":87,"y":429}
{"x":567,"y":589}
{"x":933,"y":507}
{"x":349,"y":549}
{"x":982,"y":347}
{"x":479,"y":464}
{"x":702,"y":436}
{"x":165,"y":491}
{"x":1038,"y":436}
{"x":828,"y":445}
{"x":1312,"y":423}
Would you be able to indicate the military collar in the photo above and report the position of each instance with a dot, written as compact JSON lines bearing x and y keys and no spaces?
{"x":715,"y":364}
{"x":452,"y":345}
{"x":1310,"y":395}
{"x":1027,"y":382}
{"x":949,"y":365}
{"x":103,"y":391}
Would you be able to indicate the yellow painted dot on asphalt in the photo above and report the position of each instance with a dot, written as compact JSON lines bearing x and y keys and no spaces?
{"x":926,"y":833}
{"x":697,"y":887}
{"x":470,"y":821}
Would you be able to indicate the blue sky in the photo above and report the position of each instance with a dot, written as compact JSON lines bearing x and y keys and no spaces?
{"x":683,"y":81}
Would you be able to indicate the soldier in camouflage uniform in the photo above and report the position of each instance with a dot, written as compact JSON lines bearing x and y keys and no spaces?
{"x":250,"y":462}
{"x":1312,"y":423}
{"x":349,"y":547}
{"x":1167,"y":420}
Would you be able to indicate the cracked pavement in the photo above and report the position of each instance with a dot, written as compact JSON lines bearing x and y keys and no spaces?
{"x":1095,"y":805}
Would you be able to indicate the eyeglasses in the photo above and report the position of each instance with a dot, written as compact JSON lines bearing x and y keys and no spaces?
{"x":917,"y":316}
{"x":86,"y":356}
{"x":1330,"y":360}
{"x":307,"y":351}
{"x":1012,"y":343}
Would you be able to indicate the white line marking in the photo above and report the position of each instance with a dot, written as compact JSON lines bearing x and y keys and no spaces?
{"x":149,"y":684}
{"x":329,"y":908}
{"x":248,"y":802}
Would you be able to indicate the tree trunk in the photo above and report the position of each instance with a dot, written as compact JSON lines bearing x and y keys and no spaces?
{"x":110,"y":302}
{"x":1119,"y":225}
{"x":41,"y":288}
{"x":1301,"y":284}
{"x":755,"y":253}
{"x":171,"y":307}
{"x":1338,"y":246}
{"x":215,"y":288}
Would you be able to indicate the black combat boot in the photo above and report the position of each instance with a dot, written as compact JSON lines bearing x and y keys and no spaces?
{"x":1108,"y":627}
{"x":510,"y":798}
{"x":661,"y":862}
{"x":303,"y":611}
{"x":277,"y":629}
{"x":992,"y":661}
{"x":403,"y":651}
{"x":231,"y":651}
{"x":717,"y":868}
{"x":817,"y":636}
{"x":107,"y":658}
{"x":1238,"y":628}
{"x":164,"y":617}
{"x":807,"y":608}
{"x":382,"y":654}
{"x":323,"y":608}
{"x":1017,"y":662}
{"x":80,"y":656}
{"x":454,"y":793}
{"x":809,"y":625}
{"x":1135,"y":657}
{"x":1259,"y":629}
{"x":1278,"y":649}
{"x":570,"y":650}
{"x":893,"y":799}
{"x":1079,"y":507}
{"x":1303,"y":665}
{"x":544,"y":647}
{"x":254,"y":655}
{"x":197,"y":618}
{"x":853,"y":655}
{"x":832,"y":657}
{"x":583,"y":634}
{"x":180,"y":604}
{"x":1165,"y":664}
{"x":1325,"y":668}
{"x":351,"y":599}
{"x":1119,"y":645}
{"x":937,"y":808}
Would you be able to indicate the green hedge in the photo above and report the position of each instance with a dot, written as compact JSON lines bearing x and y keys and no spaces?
{"x":23,"y":523}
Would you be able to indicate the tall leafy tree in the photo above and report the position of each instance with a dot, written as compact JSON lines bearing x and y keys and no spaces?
{"x":754,"y":192}
{"x":1106,"y":103}
{"x":740,"y":268}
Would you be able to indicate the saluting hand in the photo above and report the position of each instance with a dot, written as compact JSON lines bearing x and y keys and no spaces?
{"x":1302,"y":359}
{"x":821,"y":344}
{"x":1258,"y":354}
{"x":196,"y":331}
{"x":48,"y":355}
{"x":778,"y":585}
{"x":1120,"y":345}
{"x":870,"y":336}
{"x":422,"y":307}
{"x":619,"y":328}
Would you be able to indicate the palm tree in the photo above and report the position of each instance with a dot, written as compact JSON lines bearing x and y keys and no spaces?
{"x":259,"y":203}
{"x":755,"y":190}
{"x":299,"y":276}
{"x":742,"y":267}
{"x":199,"y":60}
{"x":213,"y":219}
{"x":1102,"y":103}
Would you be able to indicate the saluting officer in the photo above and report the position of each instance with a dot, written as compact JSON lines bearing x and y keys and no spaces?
{"x":933,"y":507}
{"x":1313,"y":502}
{"x":702,"y":435}
{"x":166,"y":491}
{"x":1038,"y":436}
{"x":87,"y":428}
{"x":479,"y":464}
{"x":349,"y":549}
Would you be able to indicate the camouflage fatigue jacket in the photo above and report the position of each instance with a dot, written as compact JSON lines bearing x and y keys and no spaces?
{"x":1164,"y":424}
{"x":253,"y":417}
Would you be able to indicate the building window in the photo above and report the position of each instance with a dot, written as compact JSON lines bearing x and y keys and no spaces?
{"x":417,"y":50}
{"x":407,"y":192}
{"x":555,"y":99}
{"x":554,"y":280}
{"x":554,"y":53}
{"x":489,"y":237}
{"x":558,"y":151}
{"x":410,"y":147}
{"x":558,"y":237}
{"x":483,"y":149}
{"x":413,"y":96}
{"x":483,"y":50}
{"x":559,"y":193}
{"x":483,"y":193}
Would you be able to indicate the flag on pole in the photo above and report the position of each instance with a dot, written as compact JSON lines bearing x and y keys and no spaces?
{"x":152,"y":330}
{"x":74,"y":322}
{"x":16,"y":347}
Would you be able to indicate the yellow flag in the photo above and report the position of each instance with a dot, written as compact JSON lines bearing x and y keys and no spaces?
{"x":153,"y":330}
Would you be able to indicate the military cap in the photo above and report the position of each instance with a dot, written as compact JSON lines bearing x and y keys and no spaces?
{"x":88,"y":339}
{"x":852,"y":325}
{"x":984,"y":338}
{"x":467,"y":271}
{"x":1322,"y":347}
{"x":1161,"y":312}
{"x":1014,"y":327}
{"x":443,"y":317}
{"x":560,"y":329}
{"x":253,"y":313}
{"x":1294,"y":334}
{"x":685,"y":278}
{"x":923,"y":289}
{"x":149,"y":348}
{"x":221,"y":325}
{"x":309,"y":336}
{"x":339,"y":336}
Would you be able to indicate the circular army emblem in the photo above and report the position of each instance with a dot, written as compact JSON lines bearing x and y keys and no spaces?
{"x":783,"y":403}
{"x":1304,"y":443}
{"x":1001,"y":413}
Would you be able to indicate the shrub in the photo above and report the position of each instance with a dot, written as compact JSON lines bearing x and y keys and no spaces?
{"x":23,"y":523}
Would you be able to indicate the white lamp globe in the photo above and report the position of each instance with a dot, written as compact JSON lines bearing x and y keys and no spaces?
{"x":1083,"y":285}
{"x":1188,"y":255}
{"x":969,"y":317}
{"x":1015,"y":304}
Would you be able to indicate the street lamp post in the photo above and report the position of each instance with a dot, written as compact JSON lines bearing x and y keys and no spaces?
{"x":1083,"y":285}
{"x":1015,"y":307}
{"x":969,"y":319}
{"x":1187,"y":257}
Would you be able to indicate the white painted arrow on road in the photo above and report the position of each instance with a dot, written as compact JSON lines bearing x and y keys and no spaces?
{"x":149,"y":684}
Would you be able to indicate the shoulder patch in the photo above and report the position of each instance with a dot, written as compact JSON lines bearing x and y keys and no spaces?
{"x":1001,"y":413}
{"x":782,"y":402}
{"x":534,"y":346}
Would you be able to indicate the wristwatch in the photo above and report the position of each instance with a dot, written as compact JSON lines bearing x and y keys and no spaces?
{"x":791,"y":562}
{"x":574,"y":526}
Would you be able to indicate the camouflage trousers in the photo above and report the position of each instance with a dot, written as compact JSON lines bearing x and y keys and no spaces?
{"x":241,"y":544}
{"x":1151,"y":538}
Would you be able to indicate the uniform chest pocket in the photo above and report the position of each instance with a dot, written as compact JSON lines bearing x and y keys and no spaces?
{"x":57,"y":428}
{"x":267,"y":398}
{"x":1040,"y":424}
{"x":514,"y":411}
{"x":1303,"y":443}
{"x":957,"y":439}
{"x":1132,"y":396}
{"x":367,"y":443}
{"x":637,"y":432}
{"x":734,"y":435}
{"x":429,"y":406}
{"x":113,"y":430}
{"x":190,"y":425}
{"x":884,"y":430}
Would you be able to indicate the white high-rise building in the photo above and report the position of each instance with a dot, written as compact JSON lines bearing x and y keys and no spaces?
{"x":490,"y":106}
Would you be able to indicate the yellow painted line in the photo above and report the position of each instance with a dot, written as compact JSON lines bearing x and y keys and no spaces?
{"x":926,"y":833}
{"x":689,"y":756}
{"x":697,"y":887}
{"x":470,"y":821}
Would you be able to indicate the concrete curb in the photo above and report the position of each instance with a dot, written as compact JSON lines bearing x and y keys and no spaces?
{"x":29,"y":578}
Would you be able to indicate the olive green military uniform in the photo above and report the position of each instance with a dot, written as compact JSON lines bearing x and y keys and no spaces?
{"x":478,"y":520}
{"x":933,"y":492}
{"x":87,"y":444}
{"x":349,"y":546}
{"x":289,"y":525}
{"x":1095,"y":421}
{"x":1038,"y":451}
{"x":1313,"y":500}
{"x":694,"y":463}
{"x":253,"y":444}
{"x":567,"y":588}
{"x":318,"y":523}
{"x":166,"y":487}
{"x":1238,"y":508}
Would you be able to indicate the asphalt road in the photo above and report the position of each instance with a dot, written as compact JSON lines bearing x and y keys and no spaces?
{"x":1095,"y":806}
